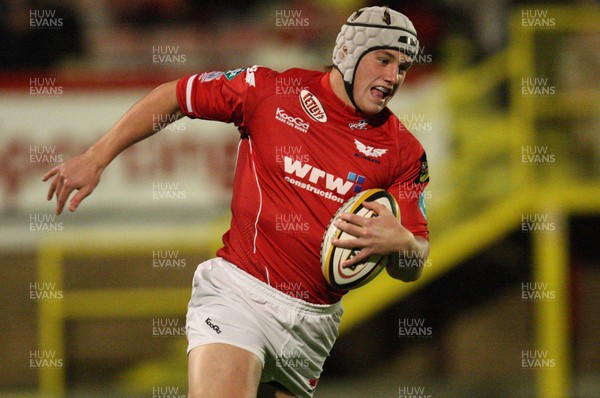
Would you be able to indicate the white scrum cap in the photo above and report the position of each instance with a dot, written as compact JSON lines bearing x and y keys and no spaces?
{"x":368,"y":29}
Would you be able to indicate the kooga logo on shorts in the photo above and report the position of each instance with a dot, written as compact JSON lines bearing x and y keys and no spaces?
{"x":312,"y":106}
{"x":214,"y":327}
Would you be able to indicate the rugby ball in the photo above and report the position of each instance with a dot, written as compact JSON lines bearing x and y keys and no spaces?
{"x":332,"y":257}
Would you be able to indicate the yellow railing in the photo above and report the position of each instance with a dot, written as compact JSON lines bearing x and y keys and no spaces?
{"x":470,"y":226}
{"x":559,"y":198}
{"x":109,"y":303}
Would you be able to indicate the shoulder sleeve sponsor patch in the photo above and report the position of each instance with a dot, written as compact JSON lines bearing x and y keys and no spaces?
{"x":230,"y":74}
{"x":422,"y":205}
{"x":210,"y":76}
{"x":423,"y":176}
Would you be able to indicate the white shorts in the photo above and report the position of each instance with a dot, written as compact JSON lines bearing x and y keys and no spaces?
{"x":291,"y":337}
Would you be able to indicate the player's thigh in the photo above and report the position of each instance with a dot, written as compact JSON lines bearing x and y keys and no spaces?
{"x":222,"y":370}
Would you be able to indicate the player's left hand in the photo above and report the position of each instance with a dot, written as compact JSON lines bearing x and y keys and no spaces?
{"x":378,"y":235}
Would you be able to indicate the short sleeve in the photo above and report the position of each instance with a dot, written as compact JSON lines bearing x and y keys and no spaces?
{"x":217,"y":95}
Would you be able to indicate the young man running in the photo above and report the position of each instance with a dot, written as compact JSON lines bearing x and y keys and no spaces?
{"x":261,"y":311}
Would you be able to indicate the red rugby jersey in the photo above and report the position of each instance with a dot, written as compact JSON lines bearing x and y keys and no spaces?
{"x":302,"y":153}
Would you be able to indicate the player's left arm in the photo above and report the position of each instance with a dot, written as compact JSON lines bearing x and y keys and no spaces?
{"x":405,"y":239}
{"x":384,"y":235}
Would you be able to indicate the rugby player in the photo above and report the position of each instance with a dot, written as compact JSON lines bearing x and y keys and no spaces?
{"x":261,"y":311}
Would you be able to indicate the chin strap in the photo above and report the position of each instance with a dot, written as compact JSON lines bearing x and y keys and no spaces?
{"x":349,"y":90}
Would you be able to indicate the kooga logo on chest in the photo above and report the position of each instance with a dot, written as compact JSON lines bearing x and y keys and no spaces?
{"x":312,"y":106}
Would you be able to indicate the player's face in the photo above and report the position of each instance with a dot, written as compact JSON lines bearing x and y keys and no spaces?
{"x":378,"y":75}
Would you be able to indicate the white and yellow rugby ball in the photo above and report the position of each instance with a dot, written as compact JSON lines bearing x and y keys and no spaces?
{"x":332,"y":257}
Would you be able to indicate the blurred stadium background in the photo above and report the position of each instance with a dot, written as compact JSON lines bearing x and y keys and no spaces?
{"x":505,"y":97}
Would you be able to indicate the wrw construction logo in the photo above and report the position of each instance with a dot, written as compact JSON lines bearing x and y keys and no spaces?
{"x":308,"y":177}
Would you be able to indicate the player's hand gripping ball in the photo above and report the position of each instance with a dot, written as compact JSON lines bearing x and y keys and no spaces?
{"x":332,"y":257}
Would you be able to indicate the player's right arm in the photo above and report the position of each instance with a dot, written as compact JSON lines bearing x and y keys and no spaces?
{"x":82,"y":173}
